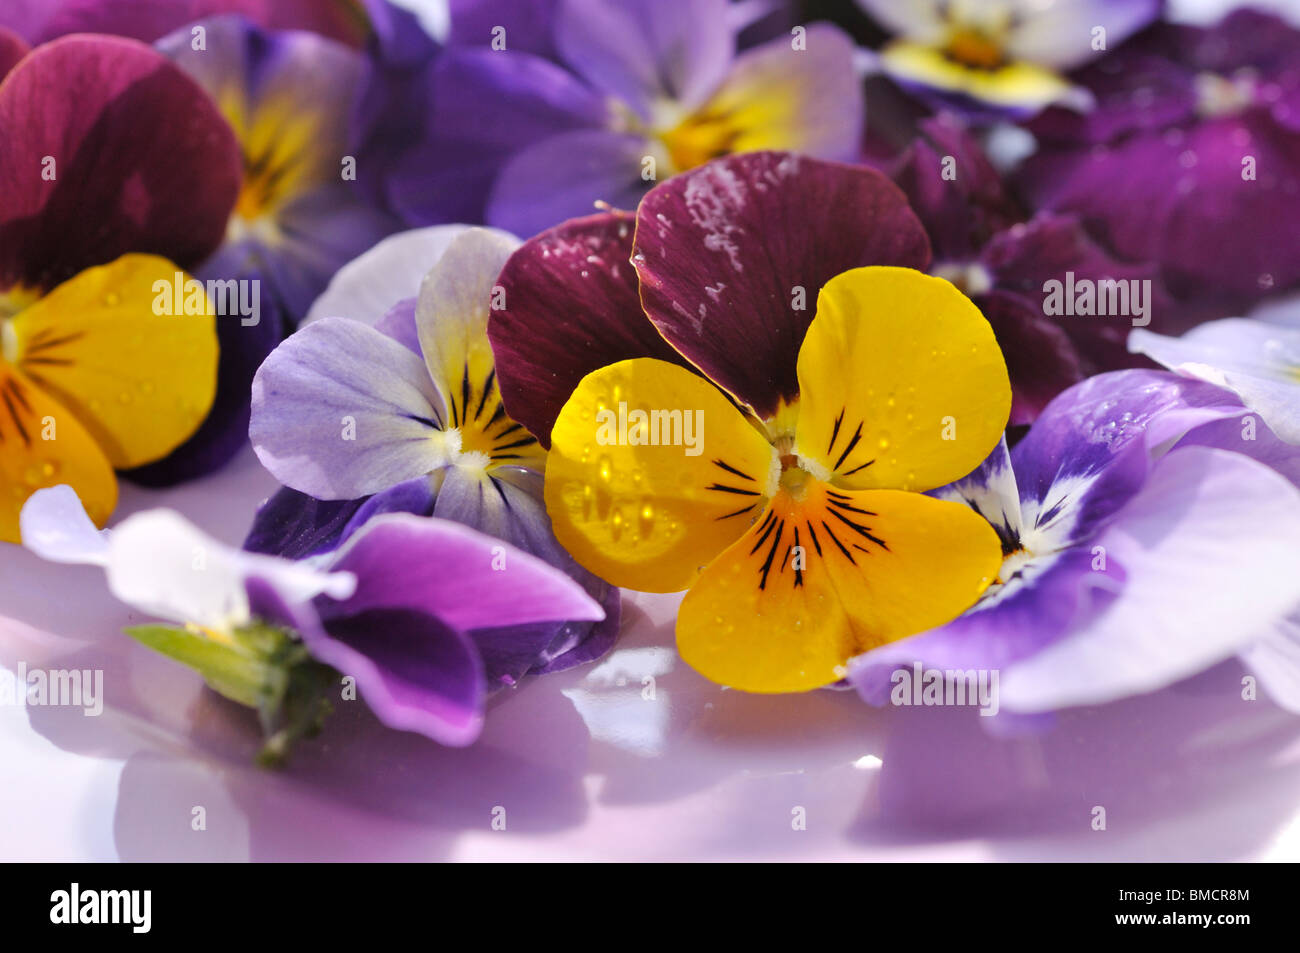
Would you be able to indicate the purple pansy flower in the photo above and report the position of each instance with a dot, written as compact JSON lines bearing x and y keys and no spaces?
{"x":994,"y":58}
{"x":1117,"y":578}
{"x":289,"y":96}
{"x":641,"y":90}
{"x":396,"y":409}
{"x":1190,"y":157}
{"x":1004,"y":259}
{"x":395,"y":609}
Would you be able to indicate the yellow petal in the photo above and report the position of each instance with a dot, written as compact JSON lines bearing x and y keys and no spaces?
{"x":902,"y":384}
{"x":1016,"y":83}
{"x":648,"y":515}
{"x":827,"y":575}
{"x":42,"y":444}
{"x":141,"y":382}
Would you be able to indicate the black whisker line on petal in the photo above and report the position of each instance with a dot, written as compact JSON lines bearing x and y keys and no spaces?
{"x":464,"y":393}
{"x":850,"y":508}
{"x":853,"y":442}
{"x":771,"y":554}
{"x":863,"y":531}
{"x":836,"y":540}
{"x":836,"y":431}
{"x":422,"y":420}
{"x":813,"y":534}
{"x":732,"y":489}
{"x":487,"y":389}
{"x":771,"y":525}
{"x":13,"y":413}
{"x":736,"y":512}
{"x":733,"y":470}
{"x":497,"y":483}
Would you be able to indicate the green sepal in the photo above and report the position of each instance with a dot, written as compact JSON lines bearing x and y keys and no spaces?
{"x":261,"y":667}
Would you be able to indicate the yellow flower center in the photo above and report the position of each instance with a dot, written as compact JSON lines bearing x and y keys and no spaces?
{"x":698,"y":138}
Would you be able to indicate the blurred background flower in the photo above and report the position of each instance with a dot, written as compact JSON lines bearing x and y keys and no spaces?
{"x":115,"y":173}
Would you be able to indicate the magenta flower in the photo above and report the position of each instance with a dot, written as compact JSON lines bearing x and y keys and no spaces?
{"x":1190,"y":157}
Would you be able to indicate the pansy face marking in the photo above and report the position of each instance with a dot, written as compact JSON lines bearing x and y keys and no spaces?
{"x":800,"y":535}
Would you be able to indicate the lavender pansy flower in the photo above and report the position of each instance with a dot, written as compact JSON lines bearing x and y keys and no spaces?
{"x":394,"y":609}
{"x":1258,"y":360}
{"x":1114,"y":579}
{"x":401,"y":411}
{"x":1195,"y":137}
{"x":289,"y":96}
{"x":991,"y":58}
{"x":641,"y":90}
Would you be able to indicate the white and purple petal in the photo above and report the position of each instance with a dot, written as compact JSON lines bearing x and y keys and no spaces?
{"x":1183,"y":608}
{"x":1258,"y":361}
{"x":341,"y":410}
{"x":646,"y":51}
{"x":368,"y":287}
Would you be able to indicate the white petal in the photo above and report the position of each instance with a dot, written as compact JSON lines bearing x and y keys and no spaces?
{"x":1211,"y":548}
{"x":162,"y":564}
{"x":1259,"y":361}
{"x":452,"y":311}
{"x":368,"y":286}
{"x":1275,"y":661}
{"x":54,"y":526}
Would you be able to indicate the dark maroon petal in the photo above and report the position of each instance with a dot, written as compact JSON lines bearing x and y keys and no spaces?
{"x":143,"y":162}
{"x":571,"y":307}
{"x":1041,"y":359}
{"x":728,"y":251}
{"x":1024,"y":258}
{"x":12,"y":48}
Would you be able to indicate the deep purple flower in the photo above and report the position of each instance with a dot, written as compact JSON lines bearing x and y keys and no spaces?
{"x":1126,"y":567}
{"x":1189,"y":158}
{"x":638,"y":91}
{"x":986,"y":244}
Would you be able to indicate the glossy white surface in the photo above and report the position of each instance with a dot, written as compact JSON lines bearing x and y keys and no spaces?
{"x":588,"y":766}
